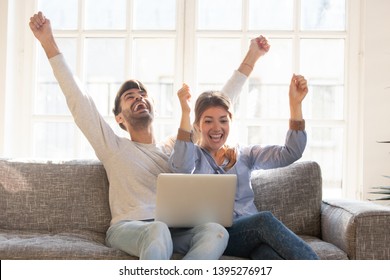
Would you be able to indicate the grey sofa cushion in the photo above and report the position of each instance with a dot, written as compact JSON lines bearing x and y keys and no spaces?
{"x":34,"y":195}
{"x":325,"y":250}
{"x":293,"y":194}
{"x":67,"y":245}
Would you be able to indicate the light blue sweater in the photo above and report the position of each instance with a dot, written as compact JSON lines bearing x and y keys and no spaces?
{"x":190,"y":158}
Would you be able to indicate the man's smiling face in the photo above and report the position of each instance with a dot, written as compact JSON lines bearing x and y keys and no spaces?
{"x":136,"y":108}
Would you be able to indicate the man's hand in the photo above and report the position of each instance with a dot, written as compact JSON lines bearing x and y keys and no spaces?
{"x":41,"y":28}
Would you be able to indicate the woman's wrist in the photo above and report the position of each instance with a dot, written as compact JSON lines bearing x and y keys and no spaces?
{"x":250,"y":66}
{"x":296,"y":112}
{"x":297,"y":124}
{"x":184,"y":135}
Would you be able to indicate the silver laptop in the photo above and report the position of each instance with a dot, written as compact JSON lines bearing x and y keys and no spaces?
{"x":187,"y":200}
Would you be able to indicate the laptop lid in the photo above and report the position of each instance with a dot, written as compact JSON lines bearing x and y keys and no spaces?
{"x":187,"y":200}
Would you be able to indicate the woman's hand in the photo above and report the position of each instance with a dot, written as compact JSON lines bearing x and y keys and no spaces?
{"x":184,"y":95}
{"x":297,"y":92}
{"x":260,"y":45}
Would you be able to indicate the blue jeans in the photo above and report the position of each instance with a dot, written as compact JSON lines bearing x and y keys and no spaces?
{"x":263,"y":237}
{"x":151,"y":240}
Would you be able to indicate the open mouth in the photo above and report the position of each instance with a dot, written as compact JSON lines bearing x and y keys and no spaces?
{"x":216,"y":137}
{"x":140,"y":107}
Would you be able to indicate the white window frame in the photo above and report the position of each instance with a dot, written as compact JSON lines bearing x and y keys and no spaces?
{"x":20,"y":55}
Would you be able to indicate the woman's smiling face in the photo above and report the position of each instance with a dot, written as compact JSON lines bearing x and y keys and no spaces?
{"x":214,"y":126}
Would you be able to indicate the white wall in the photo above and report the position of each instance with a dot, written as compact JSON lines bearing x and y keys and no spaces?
{"x":15,"y":91}
{"x":3,"y":61}
{"x":376,"y":93}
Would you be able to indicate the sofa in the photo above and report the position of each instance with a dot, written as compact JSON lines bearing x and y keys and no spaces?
{"x":60,"y":210}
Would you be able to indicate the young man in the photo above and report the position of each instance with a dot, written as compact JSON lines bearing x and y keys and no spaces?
{"x":132,"y":166}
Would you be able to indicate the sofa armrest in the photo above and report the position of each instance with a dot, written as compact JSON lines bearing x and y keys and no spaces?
{"x":359,"y":228}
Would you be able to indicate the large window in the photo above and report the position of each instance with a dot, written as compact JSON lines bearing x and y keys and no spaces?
{"x":167,"y":42}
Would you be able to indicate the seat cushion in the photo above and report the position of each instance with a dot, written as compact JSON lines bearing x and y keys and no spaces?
{"x":67,"y":245}
{"x":325,"y":250}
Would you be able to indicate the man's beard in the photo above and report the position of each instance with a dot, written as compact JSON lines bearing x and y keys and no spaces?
{"x":138,"y":122}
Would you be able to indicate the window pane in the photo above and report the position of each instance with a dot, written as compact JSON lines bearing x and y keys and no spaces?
{"x":323,"y":60}
{"x":325,"y":75}
{"x":219,"y":14}
{"x":116,"y":128}
{"x":164,"y":130}
{"x":270,"y":14}
{"x":217,"y":59}
{"x":164,"y":97}
{"x":54,"y":140}
{"x":268,"y":84}
{"x":103,"y":14}
{"x":62,"y":14}
{"x":101,"y":93}
{"x":49,"y":98}
{"x":85,"y":149}
{"x":324,"y":102}
{"x":276,"y":66}
{"x":151,"y":65}
{"x":105,"y":59}
{"x":267,"y":135}
{"x":105,"y":70}
{"x":323,"y":14}
{"x":267,"y":102}
{"x":325,"y":146}
{"x":68,"y":48}
{"x":154,"y":14}
{"x":156,"y":71}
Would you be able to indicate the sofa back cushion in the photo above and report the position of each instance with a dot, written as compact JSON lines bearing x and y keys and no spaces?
{"x":53,"y":196}
{"x":293,"y":194}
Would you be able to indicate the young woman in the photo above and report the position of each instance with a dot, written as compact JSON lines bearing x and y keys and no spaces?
{"x":254,"y":234}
